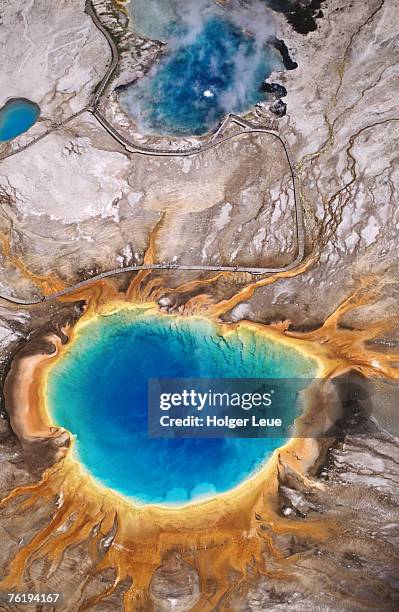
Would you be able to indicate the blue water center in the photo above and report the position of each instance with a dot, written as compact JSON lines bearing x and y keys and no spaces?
{"x":215,"y":63}
{"x":16,"y":117}
{"x":98,"y":391}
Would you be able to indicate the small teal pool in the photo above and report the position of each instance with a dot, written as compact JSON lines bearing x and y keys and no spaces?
{"x":215,"y":63}
{"x":98,"y":391}
{"x":16,"y":117}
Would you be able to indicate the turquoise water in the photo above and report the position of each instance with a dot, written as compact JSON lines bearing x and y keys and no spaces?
{"x":215,"y":63}
{"x":16,"y":117}
{"x":98,"y":391}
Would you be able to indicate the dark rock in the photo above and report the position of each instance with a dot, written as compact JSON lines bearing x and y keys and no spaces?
{"x":278,"y":108}
{"x":277,"y":90}
{"x":300,"y":14}
{"x":282,"y":48}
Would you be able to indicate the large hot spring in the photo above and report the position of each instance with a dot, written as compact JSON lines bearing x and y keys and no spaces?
{"x":97,"y":389}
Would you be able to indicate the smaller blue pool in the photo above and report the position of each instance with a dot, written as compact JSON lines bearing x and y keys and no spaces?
{"x":16,"y":117}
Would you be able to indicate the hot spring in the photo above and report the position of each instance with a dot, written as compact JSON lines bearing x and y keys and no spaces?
{"x":97,"y":390}
{"x":215,"y":62}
